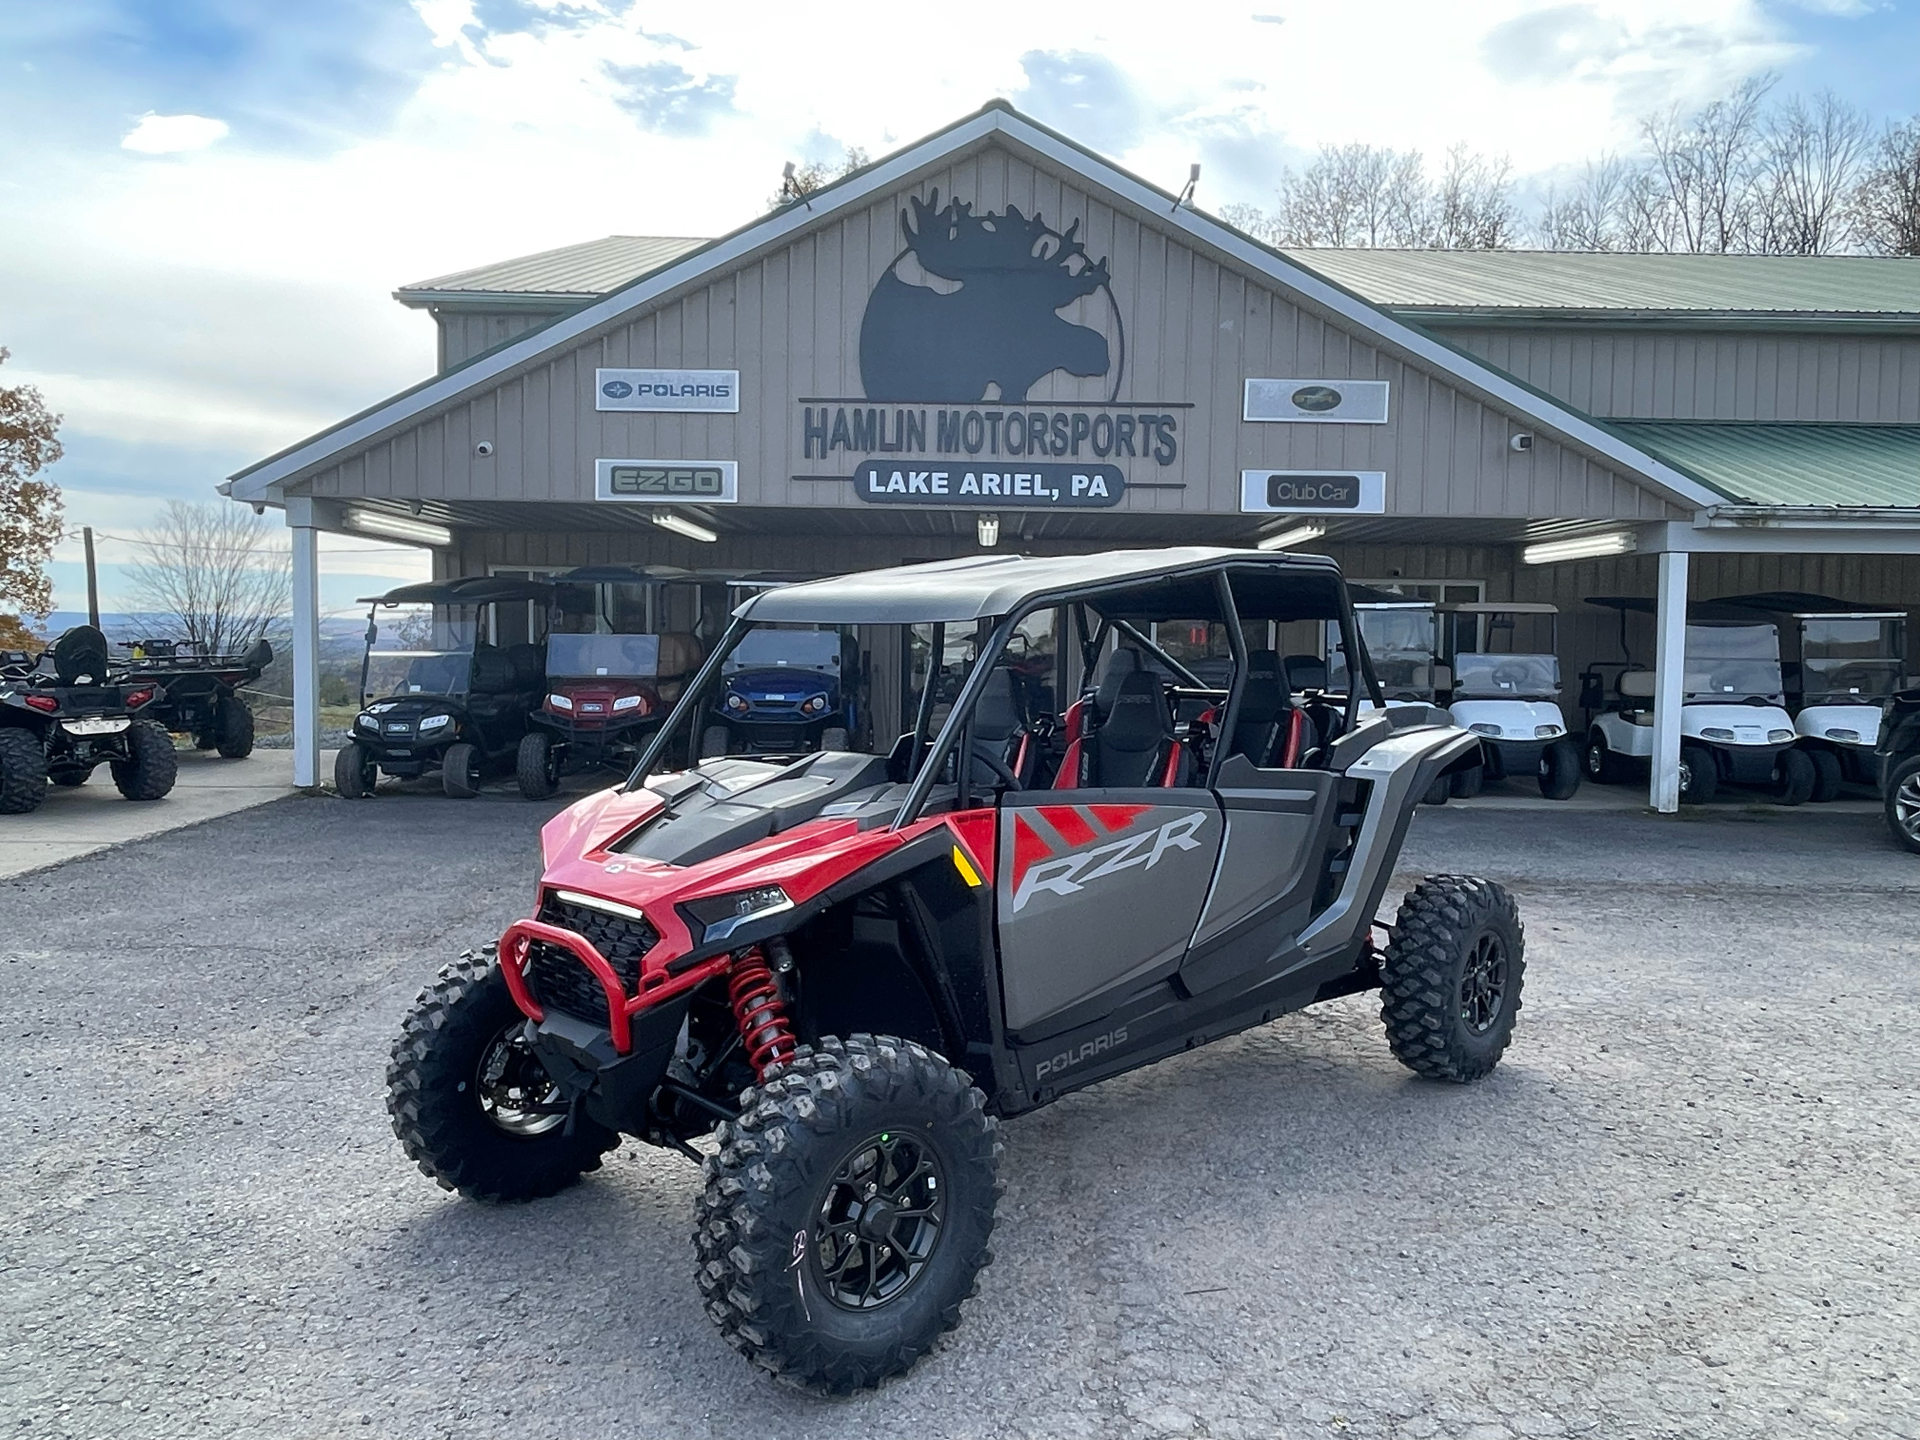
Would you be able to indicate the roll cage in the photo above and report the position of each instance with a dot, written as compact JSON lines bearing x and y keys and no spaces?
{"x":1109,"y":601}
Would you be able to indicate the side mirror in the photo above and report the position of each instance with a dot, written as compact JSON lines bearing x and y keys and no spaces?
{"x":259,"y":655}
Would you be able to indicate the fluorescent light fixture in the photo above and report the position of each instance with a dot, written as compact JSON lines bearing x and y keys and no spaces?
{"x":1581,"y":547}
{"x":399,"y":527}
{"x":680,"y":525}
{"x":1292,"y":535}
{"x":986,"y":529}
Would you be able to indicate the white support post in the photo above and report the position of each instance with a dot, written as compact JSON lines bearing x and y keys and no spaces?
{"x":1669,"y":681}
{"x":306,"y":644}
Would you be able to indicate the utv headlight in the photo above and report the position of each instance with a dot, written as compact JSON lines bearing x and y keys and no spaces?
{"x":1546,"y":732}
{"x":721,"y":915}
{"x":434,"y":722}
{"x":737,"y":704}
{"x":1483,"y":728}
{"x":560,"y":702}
{"x":1779,"y":737}
{"x":1850,"y":735}
{"x":365,"y":721}
{"x":814,"y":704}
{"x":628,"y":702}
{"x":1715,"y":732}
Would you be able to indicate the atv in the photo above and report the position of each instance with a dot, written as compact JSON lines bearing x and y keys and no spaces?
{"x":437,"y":695}
{"x":841,"y":970}
{"x":201,"y":690}
{"x":1733,"y":727}
{"x":1503,"y":657}
{"x":66,"y":714}
{"x":787,"y":691}
{"x":1846,"y":661}
{"x":1899,"y":755}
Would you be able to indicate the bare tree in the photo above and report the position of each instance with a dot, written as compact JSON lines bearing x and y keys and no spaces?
{"x":30,"y":509}
{"x":801,"y":181}
{"x":1473,"y":208}
{"x":1886,"y":205}
{"x":1704,"y":166}
{"x":1814,"y":154}
{"x":215,"y":574}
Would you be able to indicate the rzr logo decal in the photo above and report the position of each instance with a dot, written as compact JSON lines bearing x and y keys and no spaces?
{"x":1036,"y":867}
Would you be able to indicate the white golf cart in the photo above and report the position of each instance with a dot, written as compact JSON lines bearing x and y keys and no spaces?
{"x":1504,"y":659}
{"x":1734,"y":728}
{"x":1844,"y":661}
{"x":1402,"y":636}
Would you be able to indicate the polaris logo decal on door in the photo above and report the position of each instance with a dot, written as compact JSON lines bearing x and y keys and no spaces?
{"x":1037,"y":868}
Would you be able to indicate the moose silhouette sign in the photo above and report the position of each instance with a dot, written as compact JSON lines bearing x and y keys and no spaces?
{"x":995,"y":321}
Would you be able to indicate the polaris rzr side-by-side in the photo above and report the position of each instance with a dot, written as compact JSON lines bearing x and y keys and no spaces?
{"x":68,"y":713}
{"x":436,"y":694}
{"x":200,"y":691}
{"x":1734,"y":728}
{"x":835,"y":972}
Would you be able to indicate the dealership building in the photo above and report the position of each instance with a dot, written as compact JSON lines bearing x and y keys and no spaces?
{"x":996,"y":338}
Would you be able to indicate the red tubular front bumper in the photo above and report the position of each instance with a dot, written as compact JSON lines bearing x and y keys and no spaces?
{"x":656,"y":983}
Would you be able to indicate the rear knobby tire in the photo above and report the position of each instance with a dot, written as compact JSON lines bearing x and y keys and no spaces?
{"x":1699,"y":779}
{"x":1903,"y":803}
{"x":536,"y":767}
{"x":149,"y":770}
{"x":1827,"y":776}
{"x":23,"y":771}
{"x":354,"y":772}
{"x":434,"y":1094}
{"x":1793,"y":778}
{"x":460,"y":771}
{"x":1435,"y":985}
{"x":1560,"y":770}
{"x":781,"y":1165}
{"x":233,"y":727}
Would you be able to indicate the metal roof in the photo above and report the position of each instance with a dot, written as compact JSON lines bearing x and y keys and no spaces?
{"x":976,"y":586}
{"x":1542,"y":282}
{"x":1841,"y":465}
{"x":570,"y":274}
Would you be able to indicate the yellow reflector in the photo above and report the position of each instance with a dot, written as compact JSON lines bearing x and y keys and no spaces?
{"x":965,"y":867}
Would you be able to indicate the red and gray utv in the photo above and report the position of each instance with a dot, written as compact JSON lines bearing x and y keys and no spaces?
{"x":826,"y":977}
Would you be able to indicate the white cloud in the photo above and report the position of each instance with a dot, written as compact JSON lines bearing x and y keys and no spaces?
{"x":173,"y":134}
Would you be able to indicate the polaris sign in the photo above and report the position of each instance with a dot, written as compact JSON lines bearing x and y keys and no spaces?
{"x":1313,"y":492}
{"x":713,"y":390}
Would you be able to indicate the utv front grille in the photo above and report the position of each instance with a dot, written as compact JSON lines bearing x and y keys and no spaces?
{"x":560,"y":981}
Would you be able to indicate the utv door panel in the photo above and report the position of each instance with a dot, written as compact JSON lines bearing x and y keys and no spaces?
{"x":1097,"y":889}
{"x":1278,"y":823}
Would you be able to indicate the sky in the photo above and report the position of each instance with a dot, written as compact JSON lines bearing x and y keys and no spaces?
{"x":205,"y":205}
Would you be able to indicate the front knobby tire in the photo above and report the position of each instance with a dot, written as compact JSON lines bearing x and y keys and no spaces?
{"x":1451,"y":978}
{"x":460,"y":771}
{"x":536,"y":766}
{"x":804,"y":1274}
{"x":471,"y":1105}
{"x":355,"y":773}
{"x":1560,"y":770}
{"x":151,"y":765}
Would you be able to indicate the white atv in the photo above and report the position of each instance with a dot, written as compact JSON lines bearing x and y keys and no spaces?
{"x":1734,"y":728}
{"x":1509,"y":696}
{"x":1850,"y":659}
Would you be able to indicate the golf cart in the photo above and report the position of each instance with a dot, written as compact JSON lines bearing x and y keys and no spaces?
{"x":788,"y":690}
{"x":1844,"y":662}
{"x":66,"y":713}
{"x":845,"y":966}
{"x":1506,"y":685}
{"x":436,"y":694}
{"x":1899,"y":756}
{"x":1734,"y":728}
{"x":201,"y":690}
{"x":605,"y":691}
{"x":1401,"y":634}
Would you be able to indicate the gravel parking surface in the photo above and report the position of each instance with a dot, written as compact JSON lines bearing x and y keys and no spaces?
{"x":1685,"y":1206}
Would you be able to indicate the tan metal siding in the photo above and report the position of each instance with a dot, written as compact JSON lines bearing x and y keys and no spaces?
{"x":1711,"y":376}
{"x":465,"y":333}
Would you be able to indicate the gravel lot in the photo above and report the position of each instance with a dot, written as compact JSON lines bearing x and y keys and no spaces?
{"x":1685,"y":1206}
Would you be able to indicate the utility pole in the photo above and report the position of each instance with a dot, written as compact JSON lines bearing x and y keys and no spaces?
{"x":93,"y":579}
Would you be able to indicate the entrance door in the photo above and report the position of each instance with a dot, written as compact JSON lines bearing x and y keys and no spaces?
{"x":1097,"y":891}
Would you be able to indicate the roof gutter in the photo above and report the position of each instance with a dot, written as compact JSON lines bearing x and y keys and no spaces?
{"x":1600,"y":318}
{"x":1805,"y":517}
{"x":547,"y":301}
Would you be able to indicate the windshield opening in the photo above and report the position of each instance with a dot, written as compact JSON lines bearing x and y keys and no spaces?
{"x":1851,"y":661}
{"x":1733,"y":662}
{"x":1401,"y":642}
{"x":1506,"y":677}
{"x":420,"y":650}
{"x":592,"y":656}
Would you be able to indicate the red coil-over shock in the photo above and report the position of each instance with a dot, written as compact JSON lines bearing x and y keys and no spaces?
{"x":759,"y":1009}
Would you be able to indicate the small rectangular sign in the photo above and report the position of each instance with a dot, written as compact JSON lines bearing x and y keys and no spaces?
{"x":971,"y":486}
{"x":667,"y":482}
{"x":1318,"y":402}
{"x":713,"y":390}
{"x":1313,"y":492}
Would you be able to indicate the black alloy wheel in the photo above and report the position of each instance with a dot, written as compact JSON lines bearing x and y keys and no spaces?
{"x":1903,"y":803}
{"x":879,"y":1221}
{"x":513,"y":1087}
{"x":1483,"y":984}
